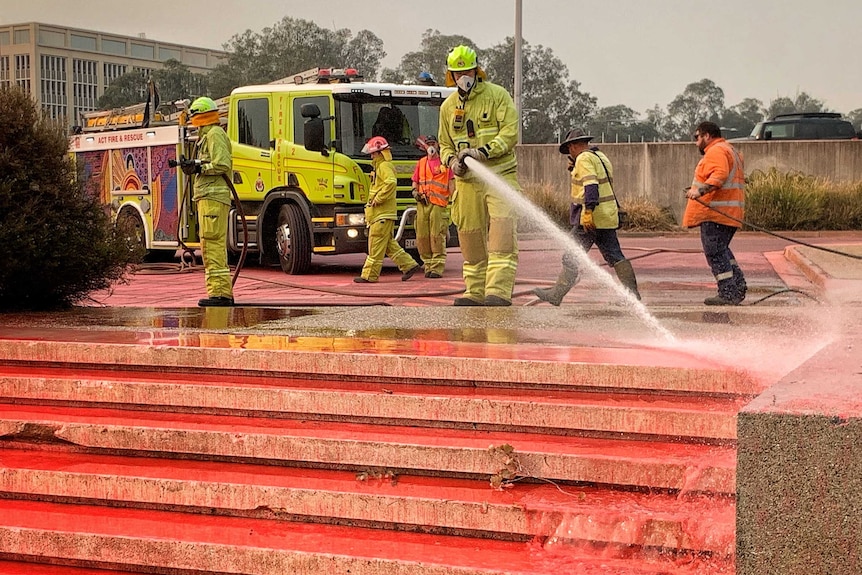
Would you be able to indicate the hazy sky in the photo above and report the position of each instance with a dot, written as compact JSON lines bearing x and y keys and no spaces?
{"x":634,"y":52}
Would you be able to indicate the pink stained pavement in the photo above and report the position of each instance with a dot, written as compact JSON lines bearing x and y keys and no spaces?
{"x":670,"y":269}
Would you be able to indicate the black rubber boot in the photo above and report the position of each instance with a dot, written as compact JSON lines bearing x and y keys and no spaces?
{"x":554,"y":295}
{"x":626,"y":275}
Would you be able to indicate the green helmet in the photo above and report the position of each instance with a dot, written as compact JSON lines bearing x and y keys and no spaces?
{"x":462,"y":58}
{"x":202,"y":105}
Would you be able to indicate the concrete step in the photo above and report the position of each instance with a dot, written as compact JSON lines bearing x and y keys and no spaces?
{"x":657,"y":464}
{"x":22,"y":568}
{"x":651,"y":413}
{"x":384,"y":359}
{"x":206,"y":544}
{"x":411,"y":502}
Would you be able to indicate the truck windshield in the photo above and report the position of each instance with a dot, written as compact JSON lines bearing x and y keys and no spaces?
{"x":400,"y":121}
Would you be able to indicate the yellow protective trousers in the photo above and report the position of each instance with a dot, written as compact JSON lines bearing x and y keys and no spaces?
{"x":432,"y":229}
{"x":212,"y":220}
{"x":487,"y":232}
{"x":382,"y":244}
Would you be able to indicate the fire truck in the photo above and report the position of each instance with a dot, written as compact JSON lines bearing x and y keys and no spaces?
{"x":298,"y":169}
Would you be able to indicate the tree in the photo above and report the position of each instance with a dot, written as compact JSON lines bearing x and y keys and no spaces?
{"x":431,"y":57}
{"x":855,"y":118}
{"x":58,"y":242}
{"x":613,"y":123}
{"x":290,"y":46}
{"x":700,"y":101}
{"x":802,"y":103}
{"x":176,"y":82}
{"x":128,"y":89}
{"x":658,"y":122}
{"x":551,"y":103}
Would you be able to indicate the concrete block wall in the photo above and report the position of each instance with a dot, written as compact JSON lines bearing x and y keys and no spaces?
{"x":660,"y":170}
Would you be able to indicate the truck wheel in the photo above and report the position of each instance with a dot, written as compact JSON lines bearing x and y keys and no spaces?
{"x":293,"y":240}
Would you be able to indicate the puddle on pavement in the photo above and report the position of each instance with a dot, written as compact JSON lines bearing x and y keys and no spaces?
{"x":218,"y":318}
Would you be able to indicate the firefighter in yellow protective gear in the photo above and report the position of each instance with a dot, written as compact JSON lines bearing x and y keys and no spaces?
{"x":479,"y":121}
{"x":380,"y":215}
{"x":433,"y":183}
{"x":212,"y":194}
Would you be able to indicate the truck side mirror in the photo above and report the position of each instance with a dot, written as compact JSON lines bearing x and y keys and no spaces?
{"x":767,"y":135}
{"x":313,"y":134}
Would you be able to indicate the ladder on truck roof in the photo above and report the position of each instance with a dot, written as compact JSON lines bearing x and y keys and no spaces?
{"x":128,"y":117}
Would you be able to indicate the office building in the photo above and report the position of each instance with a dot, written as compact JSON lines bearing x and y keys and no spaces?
{"x":66,"y":70}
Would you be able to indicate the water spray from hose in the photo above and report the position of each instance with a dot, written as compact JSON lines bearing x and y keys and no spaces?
{"x":529,"y":210}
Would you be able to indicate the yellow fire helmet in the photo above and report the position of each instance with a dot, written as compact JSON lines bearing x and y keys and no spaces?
{"x":461,"y":59}
{"x":202,"y":105}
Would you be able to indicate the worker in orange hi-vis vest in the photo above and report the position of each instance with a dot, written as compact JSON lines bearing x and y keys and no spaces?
{"x":716,"y":203}
{"x":433,"y":183}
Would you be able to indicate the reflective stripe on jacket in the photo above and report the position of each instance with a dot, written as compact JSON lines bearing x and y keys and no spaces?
{"x":589,"y":170}
{"x":721,"y":166}
{"x":381,"y":197}
{"x":490,"y":112}
{"x":433,"y":181}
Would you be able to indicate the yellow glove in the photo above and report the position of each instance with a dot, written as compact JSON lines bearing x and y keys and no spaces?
{"x":587,"y":220}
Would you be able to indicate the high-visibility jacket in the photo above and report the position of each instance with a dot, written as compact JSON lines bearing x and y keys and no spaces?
{"x":382,"y":203}
{"x":432,"y":178}
{"x":721,"y":166}
{"x":487,"y":118}
{"x":213,"y":149}
{"x":594,"y":167}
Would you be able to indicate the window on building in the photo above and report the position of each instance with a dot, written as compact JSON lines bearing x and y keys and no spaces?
{"x":52,"y":38}
{"x":53,"y":86}
{"x":143,"y":51}
{"x":85,"y":87}
{"x":4,"y":38}
{"x":111,"y":72}
{"x":253,"y":122}
{"x":169,"y":54}
{"x":22,"y":37}
{"x":195,"y":59}
{"x":5,"y":76}
{"x":22,"y":72}
{"x":79,"y":42}
{"x":117,"y":47}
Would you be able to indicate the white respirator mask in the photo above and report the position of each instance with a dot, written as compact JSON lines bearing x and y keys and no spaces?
{"x":431,"y":151}
{"x":465,"y":82}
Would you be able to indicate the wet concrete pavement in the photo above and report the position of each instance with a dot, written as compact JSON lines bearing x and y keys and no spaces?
{"x":671,"y":271}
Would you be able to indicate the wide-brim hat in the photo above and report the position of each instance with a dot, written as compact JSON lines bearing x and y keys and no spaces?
{"x":576,"y":135}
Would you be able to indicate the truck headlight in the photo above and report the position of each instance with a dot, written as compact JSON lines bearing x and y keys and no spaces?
{"x":350,"y":219}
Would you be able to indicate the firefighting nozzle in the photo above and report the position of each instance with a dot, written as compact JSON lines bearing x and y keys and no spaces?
{"x":189,"y":167}
{"x":478,"y":154}
{"x":459,"y":168}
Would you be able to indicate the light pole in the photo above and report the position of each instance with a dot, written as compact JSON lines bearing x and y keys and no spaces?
{"x":518,"y":72}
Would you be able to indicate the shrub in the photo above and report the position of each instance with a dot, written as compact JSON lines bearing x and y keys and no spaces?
{"x":645,"y":216}
{"x":842,"y":208}
{"x":550,"y":200}
{"x":784,"y":200}
{"x":58,"y":242}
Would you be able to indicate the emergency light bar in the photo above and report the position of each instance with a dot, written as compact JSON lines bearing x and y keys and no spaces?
{"x":322,"y":76}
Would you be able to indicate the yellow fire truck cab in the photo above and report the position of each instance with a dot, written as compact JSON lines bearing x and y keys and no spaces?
{"x":298,"y":169}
